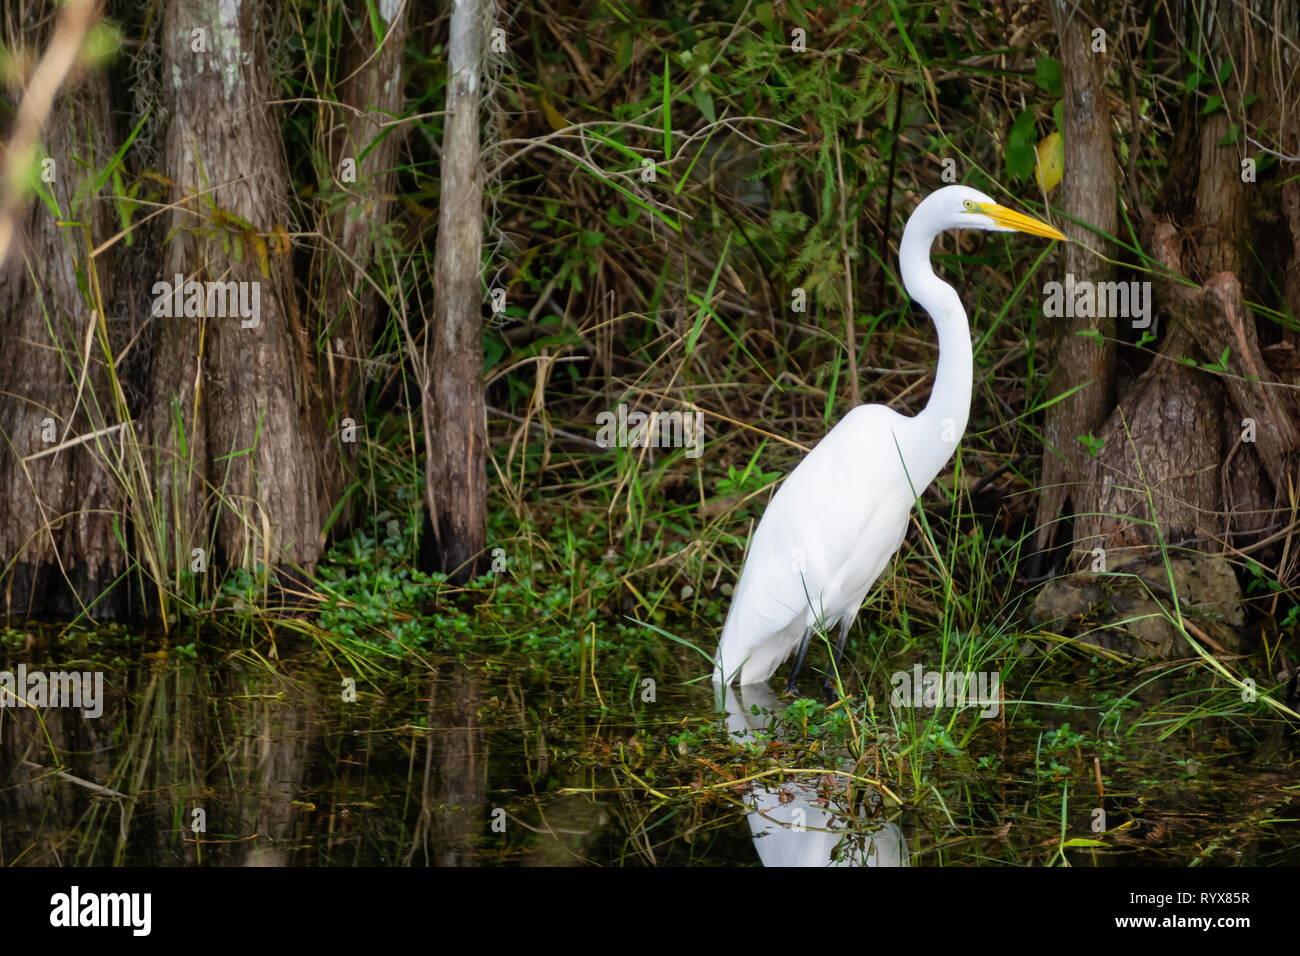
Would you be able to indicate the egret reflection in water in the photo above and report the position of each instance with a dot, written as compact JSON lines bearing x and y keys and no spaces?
{"x":795,"y":824}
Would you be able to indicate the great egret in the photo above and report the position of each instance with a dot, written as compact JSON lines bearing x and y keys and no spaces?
{"x":834,"y":524}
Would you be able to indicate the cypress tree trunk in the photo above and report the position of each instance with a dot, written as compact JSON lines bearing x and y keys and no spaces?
{"x":1169,"y":433}
{"x":1200,"y":451}
{"x":1088,"y":193}
{"x":455,"y":417}
{"x":363,"y":154}
{"x":233,"y":418}
{"x":58,"y":548}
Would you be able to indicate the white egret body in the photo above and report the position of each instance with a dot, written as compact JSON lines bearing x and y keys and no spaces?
{"x":835,"y":523}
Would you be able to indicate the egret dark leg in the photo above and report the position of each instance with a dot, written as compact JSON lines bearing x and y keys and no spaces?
{"x":828,"y":688}
{"x":791,"y":686}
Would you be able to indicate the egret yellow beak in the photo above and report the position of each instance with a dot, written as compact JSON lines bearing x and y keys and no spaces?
{"x":1010,"y":219}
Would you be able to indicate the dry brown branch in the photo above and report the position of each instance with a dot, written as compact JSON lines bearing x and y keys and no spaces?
{"x":38,"y":98}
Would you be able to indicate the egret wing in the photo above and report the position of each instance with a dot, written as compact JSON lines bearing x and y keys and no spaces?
{"x":834,"y":522}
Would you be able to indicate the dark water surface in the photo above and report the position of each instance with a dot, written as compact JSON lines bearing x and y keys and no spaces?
{"x":235,"y":760}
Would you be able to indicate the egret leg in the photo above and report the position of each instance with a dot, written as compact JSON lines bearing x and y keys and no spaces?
{"x":791,"y":687}
{"x":828,"y":688}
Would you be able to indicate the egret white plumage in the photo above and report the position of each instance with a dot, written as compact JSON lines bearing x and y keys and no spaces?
{"x":834,"y":524}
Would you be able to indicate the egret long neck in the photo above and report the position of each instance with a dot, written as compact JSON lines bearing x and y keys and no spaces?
{"x":943,"y":420}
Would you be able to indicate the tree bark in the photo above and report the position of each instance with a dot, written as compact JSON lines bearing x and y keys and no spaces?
{"x":371,"y":94}
{"x":235,"y":433}
{"x":455,"y":419}
{"x":1194,"y":458}
{"x":1153,"y":445}
{"x":1088,"y":194}
{"x":58,"y":549}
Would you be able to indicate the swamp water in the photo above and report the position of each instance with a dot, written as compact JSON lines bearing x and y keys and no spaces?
{"x":237,"y":760}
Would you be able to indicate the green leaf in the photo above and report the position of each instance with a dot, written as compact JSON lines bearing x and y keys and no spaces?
{"x":705,"y":102}
{"x":376,"y":25}
{"x":1047,"y":74}
{"x":668,"y":114}
{"x":623,"y":148}
{"x":124,"y":206}
{"x":705,"y":308}
{"x":1211,"y":104}
{"x":830,"y":392}
{"x":1093,"y":444}
{"x":669,"y":221}
{"x":623,"y":59}
{"x":703,"y":146}
{"x":1020,"y":146}
{"x":493,"y":351}
{"x":1233,"y":135}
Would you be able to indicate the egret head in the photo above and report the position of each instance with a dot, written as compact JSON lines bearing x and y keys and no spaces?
{"x":960,"y":207}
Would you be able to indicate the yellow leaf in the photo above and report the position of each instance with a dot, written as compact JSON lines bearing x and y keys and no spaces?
{"x":1049,"y":166}
{"x":553,"y":116}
